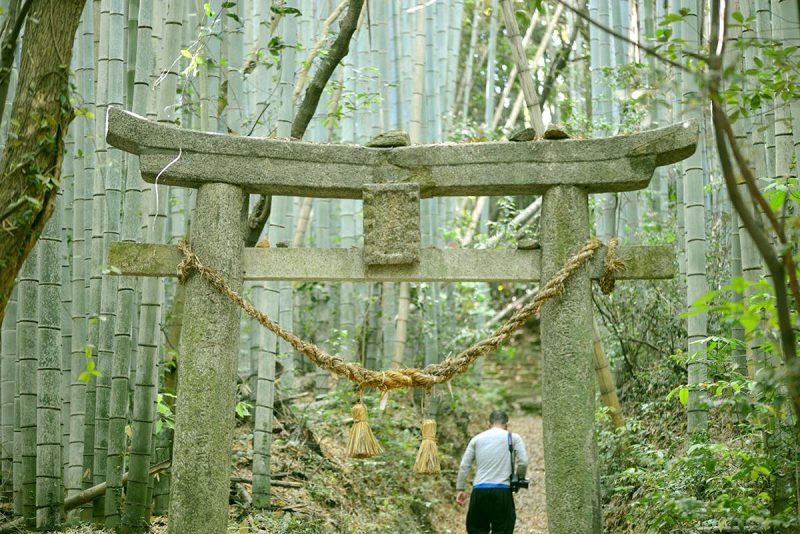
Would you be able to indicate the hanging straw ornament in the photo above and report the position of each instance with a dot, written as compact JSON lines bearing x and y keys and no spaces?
{"x":428,"y":454}
{"x":362,"y":443}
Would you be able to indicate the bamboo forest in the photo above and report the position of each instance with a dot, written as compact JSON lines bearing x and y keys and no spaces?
{"x":399,"y":266}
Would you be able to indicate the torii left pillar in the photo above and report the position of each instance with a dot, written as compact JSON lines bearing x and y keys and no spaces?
{"x":209,"y":347}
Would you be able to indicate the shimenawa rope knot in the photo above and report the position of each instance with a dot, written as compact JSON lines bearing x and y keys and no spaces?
{"x":611,"y":265}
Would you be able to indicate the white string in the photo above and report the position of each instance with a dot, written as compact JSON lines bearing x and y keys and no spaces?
{"x":162,"y":171}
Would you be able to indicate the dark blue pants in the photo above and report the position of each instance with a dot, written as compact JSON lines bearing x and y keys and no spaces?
{"x":491,"y":510}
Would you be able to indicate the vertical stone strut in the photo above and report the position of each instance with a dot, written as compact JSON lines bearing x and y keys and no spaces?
{"x":207,"y":375}
{"x":568,"y":387}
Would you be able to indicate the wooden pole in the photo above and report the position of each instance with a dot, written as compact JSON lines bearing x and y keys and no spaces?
{"x":608,"y":393}
{"x":525,"y":77}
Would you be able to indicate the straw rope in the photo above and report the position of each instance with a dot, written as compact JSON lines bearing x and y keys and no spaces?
{"x":430,"y":375}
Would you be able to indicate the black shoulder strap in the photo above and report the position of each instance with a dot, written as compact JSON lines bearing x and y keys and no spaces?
{"x":511,"y":453}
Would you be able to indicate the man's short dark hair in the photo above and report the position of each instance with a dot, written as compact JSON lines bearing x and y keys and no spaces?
{"x":498,"y":416}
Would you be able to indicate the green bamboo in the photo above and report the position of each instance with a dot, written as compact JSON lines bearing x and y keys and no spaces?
{"x":110,"y":94}
{"x":322,"y":238}
{"x":8,"y":363}
{"x":696,"y":284}
{"x":466,"y":79}
{"x":146,"y":332}
{"x":27,"y":356}
{"x":65,"y":204}
{"x":267,"y":298}
{"x":490,"y":66}
{"x":120,"y":365}
{"x":83,"y":169}
{"x":96,"y":242}
{"x":49,"y":493}
{"x":283,"y":206}
{"x":602,"y":115}
{"x":232,"y":50}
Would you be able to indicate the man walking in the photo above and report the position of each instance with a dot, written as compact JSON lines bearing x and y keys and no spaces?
{"x":491,"y":504}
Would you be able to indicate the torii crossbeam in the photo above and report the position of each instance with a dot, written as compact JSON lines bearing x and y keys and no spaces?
{"x":391,"y":181}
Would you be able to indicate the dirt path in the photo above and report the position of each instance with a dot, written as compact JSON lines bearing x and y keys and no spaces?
{"x":531,"y":518}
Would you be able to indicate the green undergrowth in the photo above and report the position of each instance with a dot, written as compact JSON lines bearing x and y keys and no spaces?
{"x":380,"y":494}
{"x":655,"y":478}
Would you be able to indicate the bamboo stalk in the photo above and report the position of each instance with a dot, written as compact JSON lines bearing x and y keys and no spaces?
{"x":401,"y":328}
{"x":525,"y":77}
{"x":27,"y":355}
{"x":518,"y":221}
{"x":49,"y":492}
{"x":474,"y":220}
{"x":465,"y":87}
{"x":512,"y":76}
{"x":7,"y":382}
{"x":302,"y":222}
{"x":695,"y":239}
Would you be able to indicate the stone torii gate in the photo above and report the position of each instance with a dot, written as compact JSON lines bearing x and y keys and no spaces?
{"x":391,"y":182}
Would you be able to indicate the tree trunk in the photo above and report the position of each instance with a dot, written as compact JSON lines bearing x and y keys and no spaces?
{"x":31,"y":165}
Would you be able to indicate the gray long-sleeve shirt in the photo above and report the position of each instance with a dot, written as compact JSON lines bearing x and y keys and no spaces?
{"x":489,"y":451}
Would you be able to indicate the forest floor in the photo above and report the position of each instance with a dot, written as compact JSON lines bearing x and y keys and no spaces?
{"x":319,"y":490}
{"x":531,"y":517}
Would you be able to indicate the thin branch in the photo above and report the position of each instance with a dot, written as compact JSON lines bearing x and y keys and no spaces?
{"x":760,"y":239}
{"x":257,"y":219}
{"x":339,"y":49}
{"x":610,"y":320}
{"x":647,"y":49}
{"x":646,"y":343}
{"x":255,"y":123}
{"x":750,"y":181}
{"x":306,"y":110}
{"x":326,"y":28}
{"x":558,"y":64}
{"x":776,"y":268}
{"x":724,"y":132}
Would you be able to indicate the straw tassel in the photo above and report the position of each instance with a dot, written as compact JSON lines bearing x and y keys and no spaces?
{"x":362,"y":443}
{"x":428,"y":454}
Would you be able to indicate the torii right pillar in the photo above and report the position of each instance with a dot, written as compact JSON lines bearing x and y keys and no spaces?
{"x":568,"y":388}
{"x":568,"y":383}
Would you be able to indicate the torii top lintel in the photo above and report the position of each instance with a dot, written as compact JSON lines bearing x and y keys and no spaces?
{"x":298,"y":168}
